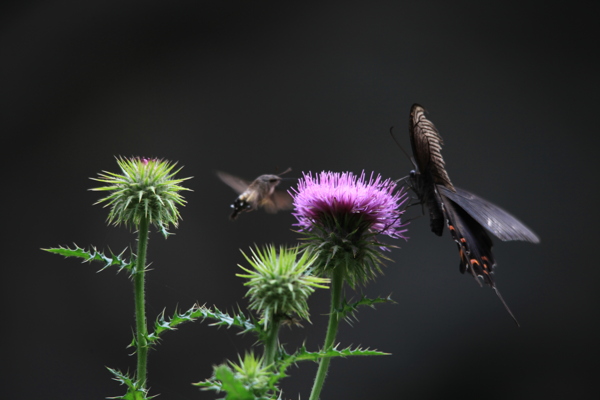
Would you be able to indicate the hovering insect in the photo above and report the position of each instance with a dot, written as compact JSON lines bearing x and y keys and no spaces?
{"x":261,"y":192}
{"x":465,"y":214}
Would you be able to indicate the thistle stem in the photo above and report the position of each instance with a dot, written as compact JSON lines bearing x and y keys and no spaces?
{"x":140,"y":304}
{"x":271,"y":342}
{"x":337,"y":281}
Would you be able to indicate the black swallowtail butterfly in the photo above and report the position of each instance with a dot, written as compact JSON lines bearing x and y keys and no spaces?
{"x":467,"y":216}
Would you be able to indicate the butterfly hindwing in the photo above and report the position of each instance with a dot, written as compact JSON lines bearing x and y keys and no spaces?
{"x":474,"y":246}
{"x":498,"y":221}
{"x":474,"y":243}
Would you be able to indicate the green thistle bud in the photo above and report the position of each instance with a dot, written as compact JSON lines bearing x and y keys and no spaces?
{"x":280,"y":282}
{"x":251,"y":372}
{"x":248,"y":379}
{"x":146,"y":188}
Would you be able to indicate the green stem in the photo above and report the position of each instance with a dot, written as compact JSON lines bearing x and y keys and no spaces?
{"x":337,"y":281}
{"x":271,"y":342}
{"x":140,"y":304}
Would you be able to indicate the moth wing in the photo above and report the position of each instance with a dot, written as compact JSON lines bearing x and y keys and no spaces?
{"x":498,"y":221}
{"x":279,"y":200}
{"x":239,"y":185}
{"x":283,"y":199}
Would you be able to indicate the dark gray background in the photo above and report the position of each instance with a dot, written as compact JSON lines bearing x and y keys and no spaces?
{"x":254,"y":88}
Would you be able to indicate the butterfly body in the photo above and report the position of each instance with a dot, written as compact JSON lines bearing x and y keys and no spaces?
{"x":261,"y":192}
{"x":428,"y":195}
{"x":468,"y":217}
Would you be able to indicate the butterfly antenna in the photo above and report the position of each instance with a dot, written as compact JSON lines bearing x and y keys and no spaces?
{"x":404,"y":223}
{"x":399,"y":145}
{"x":402,"y":180}
{"x":506,"y":306}
{"x":407,"y":220}
{"x":406,"y":183}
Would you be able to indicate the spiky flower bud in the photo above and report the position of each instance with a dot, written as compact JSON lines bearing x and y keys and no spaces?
{"x":248,"y":379}
{"x":145,"y":188}
{"x":280,"y":282}
{"x":251,"y":372}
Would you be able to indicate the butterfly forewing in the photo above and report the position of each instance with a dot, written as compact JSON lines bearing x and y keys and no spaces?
{"x":426,"y":145}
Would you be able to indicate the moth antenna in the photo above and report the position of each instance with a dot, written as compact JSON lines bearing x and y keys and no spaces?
{"x":286,"y":171}
{"x":506,"y":306}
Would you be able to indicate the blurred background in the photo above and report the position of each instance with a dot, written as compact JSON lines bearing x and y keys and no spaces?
{"x":255,"y":87}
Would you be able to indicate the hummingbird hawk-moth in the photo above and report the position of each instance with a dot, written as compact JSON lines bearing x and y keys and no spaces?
{"x":262,"y":192}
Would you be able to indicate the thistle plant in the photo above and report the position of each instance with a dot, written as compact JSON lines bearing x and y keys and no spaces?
{"x":279,"y":286}
{"x":341,"y":215}
{"x":279,"y":283}
{"x":144,"y":193}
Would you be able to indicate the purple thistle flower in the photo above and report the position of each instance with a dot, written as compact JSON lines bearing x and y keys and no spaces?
{"x":337,"y":195}
{"x":341,"y":214}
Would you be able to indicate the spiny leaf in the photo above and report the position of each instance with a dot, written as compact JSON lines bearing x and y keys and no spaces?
{"x":223,"y":319}
{"x":197,"y":311}
{"x":134,"y":392}
{"x":163,"y":323}
{"x":95,"y":255}
{"x":348,"y":310}
{"x":304,"y":355}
